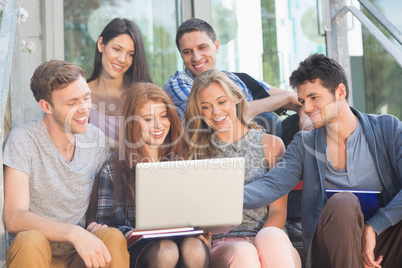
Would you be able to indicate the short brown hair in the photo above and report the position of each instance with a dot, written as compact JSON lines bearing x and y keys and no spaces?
{"x":52,"y":75}
{"x":194,"y":25}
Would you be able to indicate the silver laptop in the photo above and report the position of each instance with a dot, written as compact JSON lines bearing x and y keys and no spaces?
{"x":204,"y":194}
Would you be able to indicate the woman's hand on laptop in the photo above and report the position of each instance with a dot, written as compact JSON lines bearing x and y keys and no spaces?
{"x":207,"y":238}
{"x":93,"y":226}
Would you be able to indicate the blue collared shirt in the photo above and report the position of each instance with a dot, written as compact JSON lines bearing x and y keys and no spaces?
{"x":179,"y":87}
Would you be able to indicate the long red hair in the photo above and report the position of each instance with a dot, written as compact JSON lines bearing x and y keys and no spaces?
{"x":175,"y":146}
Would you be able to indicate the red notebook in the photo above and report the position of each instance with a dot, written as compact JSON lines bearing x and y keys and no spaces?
{"x":136,"y":237}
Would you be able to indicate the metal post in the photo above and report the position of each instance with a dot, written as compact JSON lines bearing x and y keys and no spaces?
{"x":340,"y":49}
{"x":3,"y":241}
{"x":16,"y":85}
{"x":7,"y":33}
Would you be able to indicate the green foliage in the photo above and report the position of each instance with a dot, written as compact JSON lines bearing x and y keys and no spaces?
{"x":80,"y":47}
{"x":270,"y":59}
{"x":161,"y":55}
{"x":383,"y":76}
{"x":1,"y":11}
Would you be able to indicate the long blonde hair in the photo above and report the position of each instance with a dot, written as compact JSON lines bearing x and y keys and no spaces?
{"x":197,"y":129}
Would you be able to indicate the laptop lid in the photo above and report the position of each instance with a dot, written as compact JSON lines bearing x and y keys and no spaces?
{"x":204,"y":194}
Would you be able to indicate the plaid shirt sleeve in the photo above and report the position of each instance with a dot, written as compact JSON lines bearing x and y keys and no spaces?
{"x":178,"y":88}
{"x":124,"y":217}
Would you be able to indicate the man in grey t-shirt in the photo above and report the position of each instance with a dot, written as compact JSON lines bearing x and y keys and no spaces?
{"x":49,"y":171}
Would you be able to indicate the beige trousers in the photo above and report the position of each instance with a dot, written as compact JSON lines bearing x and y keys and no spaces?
{"x":32,"y":249}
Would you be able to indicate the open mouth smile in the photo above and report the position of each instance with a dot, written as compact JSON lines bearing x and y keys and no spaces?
{"x":157,"y":134}
{"x":220,"y":120}
{"x":117,"y":67}
{"x":199,"y":66}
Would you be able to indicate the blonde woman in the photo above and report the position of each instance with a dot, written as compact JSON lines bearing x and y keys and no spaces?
{"x":218,"y":127}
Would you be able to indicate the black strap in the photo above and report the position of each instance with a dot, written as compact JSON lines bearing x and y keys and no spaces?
{"x":256,"y":89}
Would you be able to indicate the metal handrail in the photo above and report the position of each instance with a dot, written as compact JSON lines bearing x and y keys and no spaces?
{"x":372,"y":28}
{"x":7,"y":33}
{"x":382,"y":20}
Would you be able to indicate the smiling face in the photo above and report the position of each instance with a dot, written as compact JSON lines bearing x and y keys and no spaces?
{"x":70,"y":107}
{"x":319,"y":104}
{"x":218,"y":109}
{"x":198,"y":52}
{"x":117,"y":55}
{"x":155,"y":124}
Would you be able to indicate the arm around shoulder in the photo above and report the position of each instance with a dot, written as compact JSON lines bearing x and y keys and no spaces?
{"x":286,"y":100}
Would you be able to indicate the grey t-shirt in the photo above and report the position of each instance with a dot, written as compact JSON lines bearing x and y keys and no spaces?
{"x":59,"y":189}
{"x":251,"y":148}
{"x":360,"y":173}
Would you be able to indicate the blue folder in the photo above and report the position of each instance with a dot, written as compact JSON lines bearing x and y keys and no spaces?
{"x":370,"y":201}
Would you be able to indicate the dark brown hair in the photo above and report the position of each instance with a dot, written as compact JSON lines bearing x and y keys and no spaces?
{"x":139,"y":70}
{"x":319,"y":66}
{"x":193,"y":25}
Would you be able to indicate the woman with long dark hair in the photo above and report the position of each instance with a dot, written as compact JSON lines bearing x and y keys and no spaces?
{"x":120,"y":60}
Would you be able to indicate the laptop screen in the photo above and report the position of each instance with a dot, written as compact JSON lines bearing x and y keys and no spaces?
{"x":204,"y":194}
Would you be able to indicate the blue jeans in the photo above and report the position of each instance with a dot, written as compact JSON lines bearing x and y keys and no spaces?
{"x":270,"y":123}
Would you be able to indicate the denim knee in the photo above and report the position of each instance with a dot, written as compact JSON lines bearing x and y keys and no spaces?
{"x":270,"y":122}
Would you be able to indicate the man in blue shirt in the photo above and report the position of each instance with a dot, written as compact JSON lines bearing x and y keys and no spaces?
{"x":346,"y":150}
{"x":197,"y":43}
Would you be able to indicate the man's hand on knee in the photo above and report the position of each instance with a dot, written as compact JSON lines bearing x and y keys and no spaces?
{"x":368,"y":245}
{"x":93,"y":226}
{"x":91,"y":249}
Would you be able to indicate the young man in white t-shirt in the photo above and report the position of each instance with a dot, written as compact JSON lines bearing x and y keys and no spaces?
{"x":49,"y":171}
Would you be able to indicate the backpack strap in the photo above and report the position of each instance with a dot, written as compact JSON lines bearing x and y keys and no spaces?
{"x":256,"y":89}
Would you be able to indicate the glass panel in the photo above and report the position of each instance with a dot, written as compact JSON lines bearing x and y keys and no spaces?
{"x":297,"y":34}
{"x":266,"y":38}
{"x":157,"y":19}
{"x":383,"y":76}
{"x":239,"y":34}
